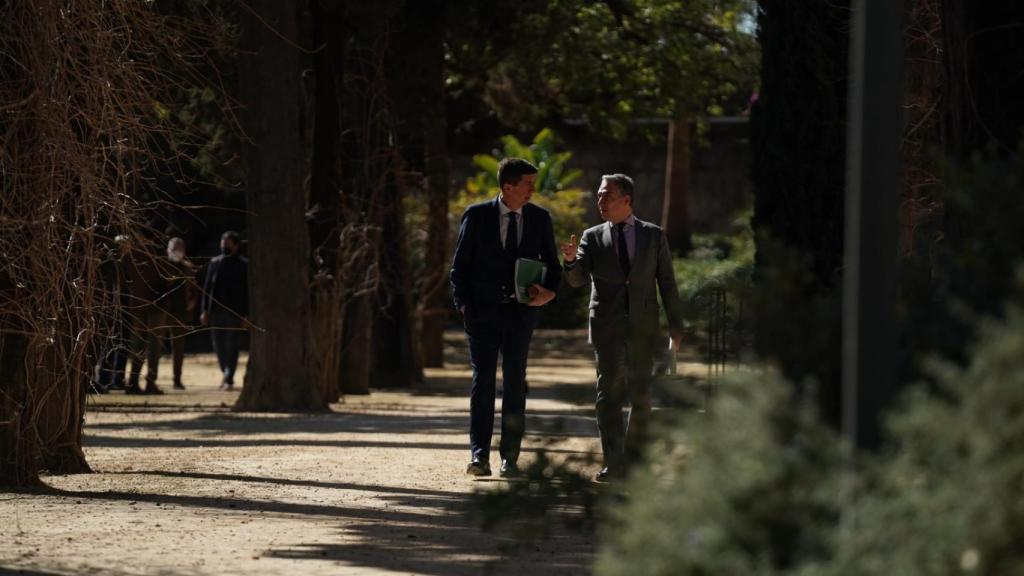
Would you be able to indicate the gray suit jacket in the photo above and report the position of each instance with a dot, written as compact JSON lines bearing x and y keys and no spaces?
{"x":597,"y":262}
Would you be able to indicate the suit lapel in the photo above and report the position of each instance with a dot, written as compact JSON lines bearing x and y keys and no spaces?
{"x":496,"y":222}
{"x":643,"y":238}
{"x":606,"y":238}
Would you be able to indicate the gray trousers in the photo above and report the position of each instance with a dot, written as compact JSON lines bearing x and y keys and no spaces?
{"x":625,"y":366}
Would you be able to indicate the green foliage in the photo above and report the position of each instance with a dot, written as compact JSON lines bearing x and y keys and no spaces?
{"x":967,"y":266}
{"x":949,"y":500}
{"x":760,"y":486}
{"x":214,"y":146}
{"x":749,"y":488}
{"x":718,"y":260}
{"x":555,"y":190}
{"x":719,"y":263}
{"x":605,"y":62}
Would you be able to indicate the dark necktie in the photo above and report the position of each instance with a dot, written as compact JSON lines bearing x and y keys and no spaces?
{"x":623,"y":248}
{"x":512,"y":236}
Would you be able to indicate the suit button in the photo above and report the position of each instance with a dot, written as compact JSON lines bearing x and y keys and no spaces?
{"x":627,"y":282}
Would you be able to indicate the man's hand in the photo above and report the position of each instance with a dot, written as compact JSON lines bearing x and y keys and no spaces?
{"x":569,"y":249}
{"x":539,"y":295}
{"x":204,"y":319}
{"x":677,"y":337}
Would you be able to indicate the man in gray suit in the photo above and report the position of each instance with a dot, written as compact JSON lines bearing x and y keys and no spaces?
{"x":628,"y":263}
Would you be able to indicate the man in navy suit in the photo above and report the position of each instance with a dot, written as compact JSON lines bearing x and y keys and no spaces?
{"x":492,"y":236}
{"x":225,"y":304}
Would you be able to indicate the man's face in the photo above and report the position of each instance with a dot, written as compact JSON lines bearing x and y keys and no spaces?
{"x":613,"y":206}
{"x":228,"y":246}
{"x":517,"y":195}
{"x":176,"y":250}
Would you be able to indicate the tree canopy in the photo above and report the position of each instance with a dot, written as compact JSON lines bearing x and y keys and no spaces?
{"x":605,"y":63}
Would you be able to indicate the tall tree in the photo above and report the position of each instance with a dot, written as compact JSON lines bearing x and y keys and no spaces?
{"x":799,"y":142}
{"x":418,"y":75}
{"x":79,"y":88}
{"x":329,"y":278}
{"x":974,"y":258}
{"x":280,"y":374}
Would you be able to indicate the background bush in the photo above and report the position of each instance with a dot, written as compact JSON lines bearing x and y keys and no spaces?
{"x":757,"y":485}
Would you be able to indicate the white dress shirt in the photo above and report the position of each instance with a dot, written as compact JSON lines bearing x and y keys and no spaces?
{"x":503,"y":212}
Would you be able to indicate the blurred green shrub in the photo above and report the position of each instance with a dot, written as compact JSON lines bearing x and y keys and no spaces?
{"x":949,"y":497}
{"x":749,"y":488}
{"x":756,"y":486}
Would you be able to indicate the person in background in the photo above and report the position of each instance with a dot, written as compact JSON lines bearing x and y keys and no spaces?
{"x":145,"y":286}
{"x":113,"y":356}
{"x":179,"y":303}
{"x":225,"y":304}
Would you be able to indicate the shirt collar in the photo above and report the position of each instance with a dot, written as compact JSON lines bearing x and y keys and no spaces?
{"x":503,"y":210}
{"x":629,"y":222}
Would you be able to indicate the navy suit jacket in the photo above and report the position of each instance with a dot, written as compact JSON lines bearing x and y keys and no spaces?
{"x":226,"y":285}
{"x":480,"y":267}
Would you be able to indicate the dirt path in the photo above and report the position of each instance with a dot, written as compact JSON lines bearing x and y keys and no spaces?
{"x":185,"y":486}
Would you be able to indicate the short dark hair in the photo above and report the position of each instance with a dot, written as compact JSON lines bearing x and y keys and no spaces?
{"x":233,"y":236}
{"x":623,"y":182}
{"x":510,"y":170}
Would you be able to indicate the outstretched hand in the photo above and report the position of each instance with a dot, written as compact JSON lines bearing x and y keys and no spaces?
{"x":569,"y":249}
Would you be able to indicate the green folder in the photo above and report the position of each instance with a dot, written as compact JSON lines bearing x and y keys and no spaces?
{"x":528,"y":273}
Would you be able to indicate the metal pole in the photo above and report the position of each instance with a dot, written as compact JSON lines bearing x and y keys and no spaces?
{"x":872,"y":210}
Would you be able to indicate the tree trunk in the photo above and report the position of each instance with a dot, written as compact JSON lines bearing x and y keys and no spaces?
{"x":675,"y":214}
{"x":420,"y":93}
{"x":357,"y":346}
{"x":397,"y":365}
{"x":981,"y":130}
{"x":435,"y":306}
{"x":19,"y":452}
{"x":329,"y":281}
{"x":62,"y":375}
{"x":280,"y":374}
{"x":798,"y":138}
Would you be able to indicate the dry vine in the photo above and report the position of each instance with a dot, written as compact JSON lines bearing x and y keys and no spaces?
{"x":81,"y":86}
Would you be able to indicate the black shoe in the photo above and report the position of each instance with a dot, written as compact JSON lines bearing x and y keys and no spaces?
{"x":133,"y":390}
{"x":508,"y":469}
{"x":478,"y":467}
{"x":179,"y":386}
{"x":152,"y":389}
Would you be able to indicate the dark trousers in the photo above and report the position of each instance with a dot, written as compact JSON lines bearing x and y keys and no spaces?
{"x":176,"y":338}
{"x":226,"y":333}
{"x":145,"y":345}
{"x":625,"y":367}
{"x":111,"y":369}
{"x":508,"y":333}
